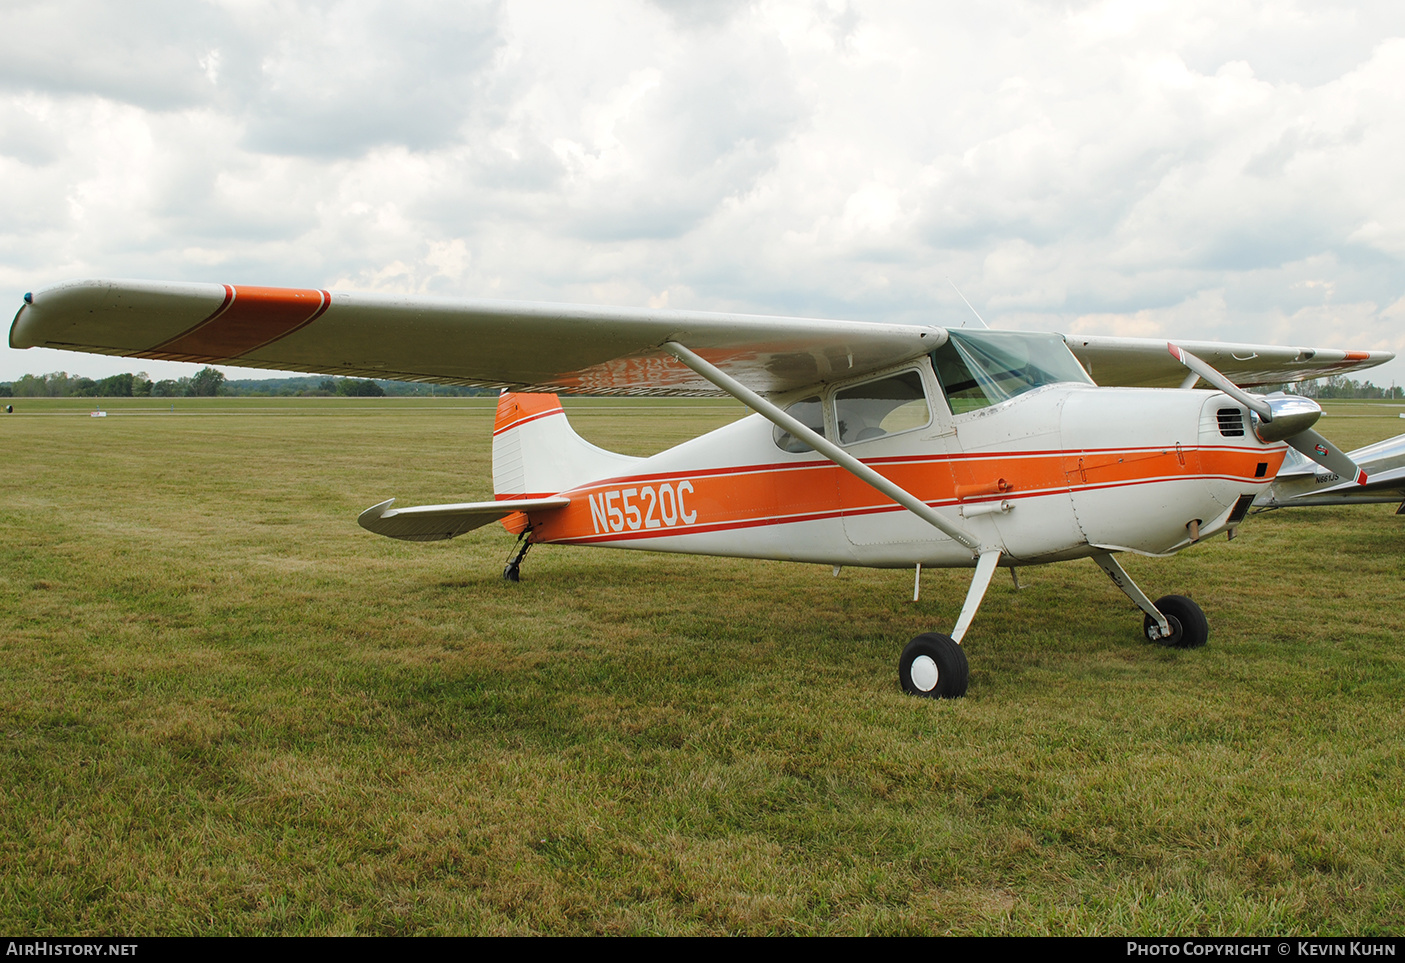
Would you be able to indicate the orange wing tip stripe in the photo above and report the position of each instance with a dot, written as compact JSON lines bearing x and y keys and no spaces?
{"x":250,"y":318}
{"x":160,"y":350}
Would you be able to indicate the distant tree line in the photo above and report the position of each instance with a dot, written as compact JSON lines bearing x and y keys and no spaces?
{"x":208,"y":382}
{"x":1340,"y":386}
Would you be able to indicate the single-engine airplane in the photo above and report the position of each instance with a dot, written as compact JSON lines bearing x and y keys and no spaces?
{"x":883,"y":445}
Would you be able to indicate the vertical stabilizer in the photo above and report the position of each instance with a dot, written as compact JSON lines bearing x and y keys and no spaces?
{"x":537,"y":452}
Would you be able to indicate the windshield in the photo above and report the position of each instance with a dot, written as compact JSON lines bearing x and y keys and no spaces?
{"x":980,"y":368}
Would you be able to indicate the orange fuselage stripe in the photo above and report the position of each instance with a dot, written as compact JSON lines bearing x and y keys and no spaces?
{"x":748,"y":496}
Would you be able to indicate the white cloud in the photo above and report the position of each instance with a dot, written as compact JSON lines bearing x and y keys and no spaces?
{"x":1205,"y":169}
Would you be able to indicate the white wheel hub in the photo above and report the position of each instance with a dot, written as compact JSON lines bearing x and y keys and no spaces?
{"x":924,"y":673}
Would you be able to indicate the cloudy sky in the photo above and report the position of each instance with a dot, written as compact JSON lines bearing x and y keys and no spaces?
{"x":1222,"y":169}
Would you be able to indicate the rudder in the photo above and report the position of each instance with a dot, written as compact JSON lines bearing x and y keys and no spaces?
{"x":536,"y":452}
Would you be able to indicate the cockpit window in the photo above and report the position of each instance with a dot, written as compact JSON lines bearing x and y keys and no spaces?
{"x":980,"y":368}
{"x":883,"y":407}
{"x":810,"y":413}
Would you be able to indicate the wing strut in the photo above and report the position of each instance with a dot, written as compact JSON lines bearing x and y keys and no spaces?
{"x":822,"y":445}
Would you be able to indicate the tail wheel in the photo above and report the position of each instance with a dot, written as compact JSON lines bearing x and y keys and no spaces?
{"x":1189,"y":630}
{"x":933,"y":666}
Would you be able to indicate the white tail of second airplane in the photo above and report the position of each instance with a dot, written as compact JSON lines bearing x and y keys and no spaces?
{"x":536,"y":452}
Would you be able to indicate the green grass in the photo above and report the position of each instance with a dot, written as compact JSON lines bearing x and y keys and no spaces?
{"x":225,"y":708}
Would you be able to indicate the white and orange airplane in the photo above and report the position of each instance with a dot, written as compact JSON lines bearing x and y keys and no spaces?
{"x":886,"y":445}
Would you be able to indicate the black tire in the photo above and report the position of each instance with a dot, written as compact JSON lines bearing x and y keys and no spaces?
{"x":942,"y":672}
{"x":1189,"y":630}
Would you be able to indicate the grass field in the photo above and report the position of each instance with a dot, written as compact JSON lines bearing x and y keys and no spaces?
{"x":225,"y":708}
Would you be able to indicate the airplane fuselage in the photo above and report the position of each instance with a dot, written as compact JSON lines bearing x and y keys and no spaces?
{"x":1062,"y":471}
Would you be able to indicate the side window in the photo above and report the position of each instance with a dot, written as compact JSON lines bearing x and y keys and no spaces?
{"x":810,"y":413}
{"x":882,"y":407}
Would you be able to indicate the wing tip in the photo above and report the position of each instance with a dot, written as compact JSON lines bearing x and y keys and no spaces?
{"x":370,"y":516}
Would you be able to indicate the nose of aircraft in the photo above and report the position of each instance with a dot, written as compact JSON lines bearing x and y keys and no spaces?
{"x":1291,"y":415}
{"x":1305,"y":440}
{"x":1145,"y":463}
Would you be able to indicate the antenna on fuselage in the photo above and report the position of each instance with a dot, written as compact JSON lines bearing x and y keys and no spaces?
{"x":968,"y":304}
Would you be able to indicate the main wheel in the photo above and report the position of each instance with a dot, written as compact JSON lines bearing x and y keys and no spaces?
{"x":1189,"y":630}
{"x":934,"y":666}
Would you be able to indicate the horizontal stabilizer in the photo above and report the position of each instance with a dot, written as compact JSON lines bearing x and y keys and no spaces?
{"x":433,"y":523}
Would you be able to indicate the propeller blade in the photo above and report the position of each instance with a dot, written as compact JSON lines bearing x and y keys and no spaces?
{"x":1254,"y":403}
{"x":1328,"y":455}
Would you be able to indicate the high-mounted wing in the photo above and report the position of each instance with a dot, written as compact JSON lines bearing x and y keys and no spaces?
{"x":564,"y":348}
{"x":1144,"y":362}
{"x":555,"y":347}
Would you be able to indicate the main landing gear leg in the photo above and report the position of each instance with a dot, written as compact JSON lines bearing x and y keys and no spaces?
{"x":1174,"y":620}
{"x":941,"y":667}
{"x":934,"y":665}
{"x":513,"y":572}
